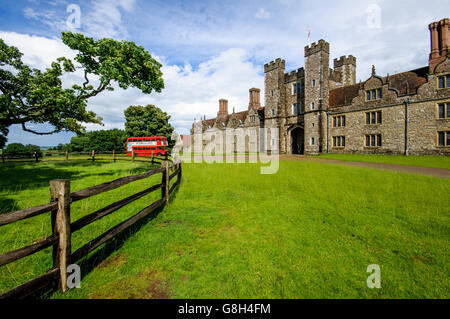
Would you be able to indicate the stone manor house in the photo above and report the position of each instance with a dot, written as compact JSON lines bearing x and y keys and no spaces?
{"x":319,"y":109}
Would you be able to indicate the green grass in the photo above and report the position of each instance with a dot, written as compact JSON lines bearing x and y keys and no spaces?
{"x":27,"y":185}
{"x":412,"y":160}
{"x":309,"y":231}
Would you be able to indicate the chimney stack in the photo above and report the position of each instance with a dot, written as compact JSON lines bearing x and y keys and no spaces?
{"x":440,"y":40}
{"x":254,"y":102}
{"x":223,"y":108}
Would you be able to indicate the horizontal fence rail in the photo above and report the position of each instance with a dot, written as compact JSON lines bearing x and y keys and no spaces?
{"x":63,"y":228}
{"x":91,"y":156}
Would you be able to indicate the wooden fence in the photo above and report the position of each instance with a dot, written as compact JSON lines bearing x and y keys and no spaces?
{"x":63,"y":228}
{"x":91,"y":156}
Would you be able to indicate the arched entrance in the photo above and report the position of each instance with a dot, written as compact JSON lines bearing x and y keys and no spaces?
{"x":297,"y":140}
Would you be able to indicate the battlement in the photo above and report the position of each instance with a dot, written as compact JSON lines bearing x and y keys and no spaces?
{"x":272,"y":65}
{"x":294,"y":75}
{"x":344,"y":60}
{"x":322,"y":45}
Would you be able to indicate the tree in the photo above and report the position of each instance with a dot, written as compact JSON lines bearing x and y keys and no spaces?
{"x":147,"y":120}
{"x":20,"y":150}
{"x":32,"y":96}
{"x":78,"y":144}
{"x":100,"y":141}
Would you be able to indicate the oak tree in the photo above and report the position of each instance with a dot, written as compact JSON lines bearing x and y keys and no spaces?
{"x":29,"y":95}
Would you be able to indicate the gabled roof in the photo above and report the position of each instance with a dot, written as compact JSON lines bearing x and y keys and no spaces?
{"x":405,"y":83}
{"x":343,"y":95}
{"x":242,"y":115}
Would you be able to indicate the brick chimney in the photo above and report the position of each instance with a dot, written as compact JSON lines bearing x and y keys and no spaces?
{"x":223,"y":108}
{"x":254,"y":102}
{"x":440,"y":40}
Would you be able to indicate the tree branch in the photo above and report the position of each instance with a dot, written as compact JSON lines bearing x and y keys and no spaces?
{"x":39,"y":133}
{"x":86,"y":78}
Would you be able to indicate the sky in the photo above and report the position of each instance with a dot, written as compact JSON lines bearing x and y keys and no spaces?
{"x":216,"y":49}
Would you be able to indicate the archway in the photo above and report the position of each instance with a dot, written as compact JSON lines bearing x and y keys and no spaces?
{"x":297,"y":140}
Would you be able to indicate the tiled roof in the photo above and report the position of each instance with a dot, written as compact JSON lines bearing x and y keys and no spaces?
{"x":239,"y":115}
{"x":405,"y":83}
{"x":343,"y":95}
{"x":186,"y":139}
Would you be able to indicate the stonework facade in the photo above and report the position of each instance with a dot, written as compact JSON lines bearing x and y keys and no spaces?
{"x":318,"y":109}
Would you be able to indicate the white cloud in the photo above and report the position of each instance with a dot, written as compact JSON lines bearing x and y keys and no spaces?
{"x":262,"y":14}
{"x":188,"y":92}
{"x":39,"y":52}
{"x":104,"y":18}
{"x":99,"y":18}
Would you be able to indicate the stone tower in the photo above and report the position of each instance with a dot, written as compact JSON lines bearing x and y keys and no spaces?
{"x":274,"y":96}
{"x":316,"y":96}
{"x":346,"y":67}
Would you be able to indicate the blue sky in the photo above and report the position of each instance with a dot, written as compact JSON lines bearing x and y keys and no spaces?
{"x":217,"y":49}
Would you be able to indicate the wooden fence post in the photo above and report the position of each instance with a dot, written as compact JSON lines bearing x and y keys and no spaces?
{"x":60,"y":192}
{"x":114,"y":155}
{"x":67,"y":155}
{"x":165,"y":181}
{"x":179,"y":172}
{"x":93,"y":155}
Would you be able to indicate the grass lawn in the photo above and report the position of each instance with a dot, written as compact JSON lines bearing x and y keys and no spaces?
{"x":309,"y":231}
{"x":412,"y":160}
{"x":27,"y":185}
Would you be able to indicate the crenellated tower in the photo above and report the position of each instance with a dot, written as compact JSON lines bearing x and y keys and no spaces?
{"x":274,"y":97}
{"x":316,"y":96}
{"x":346,"y":67}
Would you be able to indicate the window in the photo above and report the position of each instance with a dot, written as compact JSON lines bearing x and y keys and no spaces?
{"x":296,"y":88}
{"x":312,"y":106}
{"x":373,"y":140}
{"x":443,"y":111}
{"x":443,"y":139}
{"x":271,"y":92}
{"x":338,"y":141}
{"x":373,"y":117}
{"x":252,"y":118}
{"x":273,"y":112}
{"x":296,"y":109}
{"x":313,"y":83}
{"x":339,"y":121}
{"x":374,"y":94}
{"x":444,"y":81}
{"x":313,"y":142}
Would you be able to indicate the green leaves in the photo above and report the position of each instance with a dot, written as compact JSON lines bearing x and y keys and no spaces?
{"x":122,"y":61}
{"x":30,"y":95}
{"x":147,"y":121}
